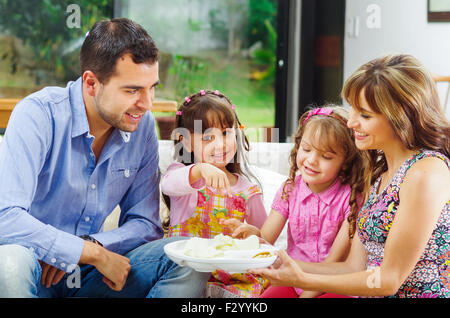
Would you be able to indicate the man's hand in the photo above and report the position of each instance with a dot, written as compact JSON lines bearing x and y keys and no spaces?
{"x":50,"y":274}
{"x":113,"y":266}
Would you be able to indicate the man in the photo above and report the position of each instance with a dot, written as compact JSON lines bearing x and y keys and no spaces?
{"x":68,"y":157}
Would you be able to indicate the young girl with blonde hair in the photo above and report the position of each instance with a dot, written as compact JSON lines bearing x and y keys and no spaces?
{"x":321,"y":196}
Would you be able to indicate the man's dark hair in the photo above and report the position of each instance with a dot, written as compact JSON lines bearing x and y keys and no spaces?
{"x":109,"y":40}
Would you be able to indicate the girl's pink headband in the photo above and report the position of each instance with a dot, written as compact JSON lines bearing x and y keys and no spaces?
{"x":203,"y":93}
{"x":324,"y":112}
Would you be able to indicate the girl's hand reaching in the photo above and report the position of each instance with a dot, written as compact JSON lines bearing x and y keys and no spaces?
{"x":214,"y":177}
{"x":240,"y":230}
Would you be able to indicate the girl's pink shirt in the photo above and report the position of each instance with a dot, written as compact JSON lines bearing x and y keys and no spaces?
{"x":314,"y":219}
{"x":183,"y":196}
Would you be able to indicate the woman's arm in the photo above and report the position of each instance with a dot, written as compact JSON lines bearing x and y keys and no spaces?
{"x":338,"y":262}
{"x":424,"y":193}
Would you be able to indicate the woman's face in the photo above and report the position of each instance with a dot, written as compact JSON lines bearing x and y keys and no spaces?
{"x":371,"y":130}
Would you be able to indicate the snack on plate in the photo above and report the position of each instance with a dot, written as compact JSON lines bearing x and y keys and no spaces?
{"x":207,"y":248}
{"x":262,"y":254}
{"x":201,"y":248}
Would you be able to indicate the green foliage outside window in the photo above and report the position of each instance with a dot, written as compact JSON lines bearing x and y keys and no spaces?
{"x":42,"y":26}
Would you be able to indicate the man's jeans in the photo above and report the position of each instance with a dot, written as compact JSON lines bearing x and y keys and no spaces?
{"x":152,"y":275}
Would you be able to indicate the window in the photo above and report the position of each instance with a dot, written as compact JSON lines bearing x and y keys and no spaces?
{"x":40,"y":41}
{"x":228,"y":45}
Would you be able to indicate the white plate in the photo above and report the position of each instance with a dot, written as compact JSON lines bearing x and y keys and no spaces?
{"x":232,"y":261}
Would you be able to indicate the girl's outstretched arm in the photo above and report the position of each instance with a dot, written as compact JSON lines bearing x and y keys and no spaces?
{"x":240,"y":229}
{"x":270,"y":230}
{"x":273,"y":226}
{"x":213,"y":176}
{"x":175,"y":181}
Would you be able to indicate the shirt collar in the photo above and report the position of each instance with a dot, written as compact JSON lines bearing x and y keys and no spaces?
{"x":325,"y":196}
{"x":80,"y":124}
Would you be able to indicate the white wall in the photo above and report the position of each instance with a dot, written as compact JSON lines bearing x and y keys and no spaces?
{"x":403,"y":28}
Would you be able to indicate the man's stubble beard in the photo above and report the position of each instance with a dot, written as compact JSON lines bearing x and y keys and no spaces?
{"x":111,"y":119}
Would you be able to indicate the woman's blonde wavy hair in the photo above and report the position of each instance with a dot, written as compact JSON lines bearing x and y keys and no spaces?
{"x":400,"y":88}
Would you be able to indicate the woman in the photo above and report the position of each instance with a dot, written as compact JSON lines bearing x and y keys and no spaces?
{"x":402,"y":242}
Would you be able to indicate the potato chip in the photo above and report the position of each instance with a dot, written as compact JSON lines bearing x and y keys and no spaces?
{"x":212,"y":248}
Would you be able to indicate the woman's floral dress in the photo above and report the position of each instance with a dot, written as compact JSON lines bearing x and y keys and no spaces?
{"x":430,"y":277}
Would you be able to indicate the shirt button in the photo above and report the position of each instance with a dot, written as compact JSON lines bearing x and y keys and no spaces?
{"x":93,"y":186}
{"x":87,"y":219}
{"x":127,"y":173}
{"x":53,"y":260}
{"x":63,"y":265}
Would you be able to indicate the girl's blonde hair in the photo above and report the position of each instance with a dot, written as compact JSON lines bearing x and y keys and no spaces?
{"x":331,"y":133}
{"x":400,"y":88}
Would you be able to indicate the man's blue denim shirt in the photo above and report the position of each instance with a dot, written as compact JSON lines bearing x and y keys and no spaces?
{"x":52,"y":190}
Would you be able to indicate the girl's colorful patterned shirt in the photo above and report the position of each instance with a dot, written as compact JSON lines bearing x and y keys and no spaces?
{"x":195,"y":211}
{"x":189,"y":202}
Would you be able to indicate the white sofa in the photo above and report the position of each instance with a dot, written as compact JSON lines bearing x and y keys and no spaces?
{"x":269,"y":162}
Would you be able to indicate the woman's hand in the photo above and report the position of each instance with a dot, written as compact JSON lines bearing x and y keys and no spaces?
{"x":239,"y":229}
{"x":284,"y":272}
{"x":213,"y":176}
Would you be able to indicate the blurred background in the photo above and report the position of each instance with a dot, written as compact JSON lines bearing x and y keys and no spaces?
{"x":273,"y":58}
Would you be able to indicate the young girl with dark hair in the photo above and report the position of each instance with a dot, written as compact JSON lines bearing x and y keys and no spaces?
{"x":210,"y":180}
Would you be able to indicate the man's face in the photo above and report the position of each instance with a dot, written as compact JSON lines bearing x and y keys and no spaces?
{"x":128,"y":94}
